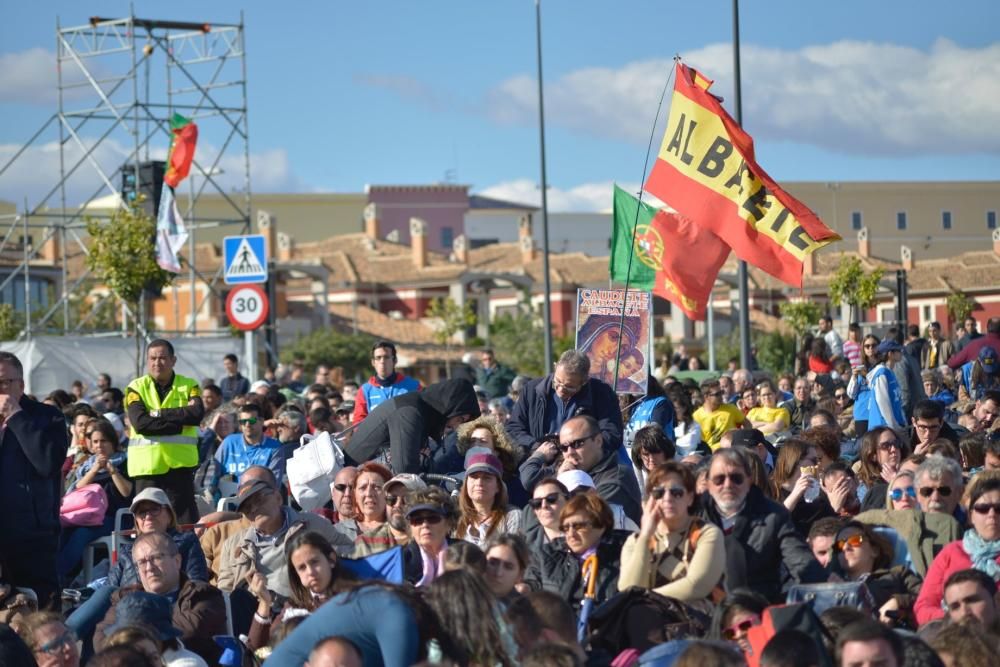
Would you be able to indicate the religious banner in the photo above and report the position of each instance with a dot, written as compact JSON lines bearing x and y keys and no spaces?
{"x":599,"y":326}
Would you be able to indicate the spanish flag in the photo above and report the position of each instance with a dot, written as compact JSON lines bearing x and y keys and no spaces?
{"x":674,"y":257}
{"x":706,"y":170}
{"x":181,"y":153}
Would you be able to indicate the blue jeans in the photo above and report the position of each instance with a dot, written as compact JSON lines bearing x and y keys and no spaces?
{"x":84,"y":619}
{"x":75,"y":540}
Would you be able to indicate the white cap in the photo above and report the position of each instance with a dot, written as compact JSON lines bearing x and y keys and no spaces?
{"x":573,"y":479}
{"x":258,"y":384}
{"x":117,"y":422}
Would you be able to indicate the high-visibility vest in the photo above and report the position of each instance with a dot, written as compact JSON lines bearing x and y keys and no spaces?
{"x":157,"y":454}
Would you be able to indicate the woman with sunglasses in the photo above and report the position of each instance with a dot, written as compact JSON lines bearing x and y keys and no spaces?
{"x":107,"y":468}
{"x":741,"y":610}
{"x":369,"y":501}
{"x":51,"y":642}
{"x":901,"y":493}
{"x":674,"y":553}
{"x":865,"y":556}
{"x":431,"y":516}
{"x":482,"y":501}
{"x":858,"y":387}
{"x":315,"y":576}
{"x":549,"y":497}
{"x":587,"y":525}
{"x":979,"y":548}
{"x":768,"y":417}
{"x":882,"y":453}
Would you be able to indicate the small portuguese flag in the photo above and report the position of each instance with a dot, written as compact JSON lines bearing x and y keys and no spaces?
{"x":181,"y":153}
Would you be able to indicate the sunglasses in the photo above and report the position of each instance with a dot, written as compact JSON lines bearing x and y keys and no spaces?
{"x":251,"y":421}
{"x":886,"y":446}
{"x":928,"y":491}
{"x":142,"y":513}
{"x":984,"y":508}
{"x":840,"y":397}
{"x":392,"y":499}
{"x":897,"y":494}
{"x":54,"y":646}
{"x":737,"y":478}
{"x":421,"y":519}
{"x":576,"y":444}
{"x":342,"y":488}
{"x":717,"y":394}
{"x":854,"y":541}
{"x":576,"y":526}
{"x":675,"y":492}
{"x":733,"y":631}
{"x":870,"y":346}
{"x":550,"y":499}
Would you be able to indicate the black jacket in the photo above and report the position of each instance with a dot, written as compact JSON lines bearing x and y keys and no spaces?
{"x":32,"y":451}
{"x":555,"y":568}
{"x":404,"y":423}
{"x":764,"y":552}
{"x":529,"y":419}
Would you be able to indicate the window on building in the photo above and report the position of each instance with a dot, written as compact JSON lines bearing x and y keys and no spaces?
{"x":991,"y":219}
{"x":447,"y":236}
{"x":901,"y":220}
{"x":928,"y":313}
{"x":946,"y":219}
{"x":856,"y":222}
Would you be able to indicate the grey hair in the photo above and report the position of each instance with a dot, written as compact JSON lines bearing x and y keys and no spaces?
{"x":575,"y":362}
{"x":296,"y":419}
{"x":898,"y":475}
{"x":498,"y":403}
{"x":732,"y":456}
{"x":936,"y":465}
{"x":743,"y":373}
{"x":169,"y":546}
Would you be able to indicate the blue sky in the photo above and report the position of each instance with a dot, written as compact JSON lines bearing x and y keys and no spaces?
{"x":343,"y":94}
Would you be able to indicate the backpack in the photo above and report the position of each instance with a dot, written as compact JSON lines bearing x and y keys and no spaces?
{"x":787,"y":617}
{"x":639,"y":618}
{"x":85,"y":506}
{"x":311,"y":470}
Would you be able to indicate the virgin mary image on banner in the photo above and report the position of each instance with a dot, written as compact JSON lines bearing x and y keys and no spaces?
{"x":597,"y":337}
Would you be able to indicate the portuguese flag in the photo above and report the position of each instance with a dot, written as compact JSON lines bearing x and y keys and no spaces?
{"x":674,"y":257}
{"x":181,"y":153}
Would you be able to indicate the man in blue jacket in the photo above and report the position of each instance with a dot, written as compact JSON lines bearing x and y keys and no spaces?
{"x":33,"y":444}
{"x":546,"y":404}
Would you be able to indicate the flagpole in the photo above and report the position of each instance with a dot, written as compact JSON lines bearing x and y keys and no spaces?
{"x":742,"y":267}
{"x":545,"y":200}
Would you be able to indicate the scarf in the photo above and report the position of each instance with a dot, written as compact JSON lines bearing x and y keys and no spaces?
{"x":982,"y":553}
{"x":117,"y":459}
{"x":433,"y":567}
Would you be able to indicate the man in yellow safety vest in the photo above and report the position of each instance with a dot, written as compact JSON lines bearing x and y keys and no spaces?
{"x":164,"y":410}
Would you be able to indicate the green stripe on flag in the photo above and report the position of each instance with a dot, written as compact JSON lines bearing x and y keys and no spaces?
{"x":625,"y":205}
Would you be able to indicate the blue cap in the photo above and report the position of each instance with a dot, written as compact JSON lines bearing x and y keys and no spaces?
{"x":148,"y":609}
{"x":988,"y":359}
{"x":888,"y":345}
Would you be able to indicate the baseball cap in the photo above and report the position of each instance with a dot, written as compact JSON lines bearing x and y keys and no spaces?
{"x":888,"y":345}
{"x":409,"y":480}
{"x":258,"y":384}
{"x":151,"y":495}
{"x":988,"y":359}
{"x":251,"y":488}
{"x":574,"y":479}
{"x":482,"y":459}
{"x":751,"y":438}
{"x":426,"y":507}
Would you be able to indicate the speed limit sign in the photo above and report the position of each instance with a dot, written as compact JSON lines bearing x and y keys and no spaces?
{"x":246,"y":307}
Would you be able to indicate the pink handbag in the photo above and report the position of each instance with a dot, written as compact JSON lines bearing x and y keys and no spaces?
{"x":85,"y":506}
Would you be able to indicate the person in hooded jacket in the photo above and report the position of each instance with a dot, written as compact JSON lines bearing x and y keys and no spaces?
{"x":403,"y":424}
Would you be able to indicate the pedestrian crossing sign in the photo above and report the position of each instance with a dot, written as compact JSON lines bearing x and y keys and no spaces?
{"x":245,"y":259}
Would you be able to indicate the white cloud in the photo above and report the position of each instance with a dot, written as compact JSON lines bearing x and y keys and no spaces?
{"x":29,"y":77}
{"x":856,"y":97}
{"x":583,"y":198}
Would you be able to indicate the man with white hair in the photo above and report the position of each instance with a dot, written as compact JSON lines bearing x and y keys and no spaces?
{"x":742,"y":380}
{"x":939,"y":486}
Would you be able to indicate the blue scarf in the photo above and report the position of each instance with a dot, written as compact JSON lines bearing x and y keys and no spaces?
{"x":983,"y":553}
{"x":117,"y":459}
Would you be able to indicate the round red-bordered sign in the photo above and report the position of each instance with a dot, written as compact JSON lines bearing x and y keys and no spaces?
{"x":247,"y":307}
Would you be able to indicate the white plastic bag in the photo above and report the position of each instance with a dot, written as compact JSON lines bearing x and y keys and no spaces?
{"x":311,"y":470}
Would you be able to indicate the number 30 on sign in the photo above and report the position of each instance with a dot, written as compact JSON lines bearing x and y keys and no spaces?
{"x":246,"y":307}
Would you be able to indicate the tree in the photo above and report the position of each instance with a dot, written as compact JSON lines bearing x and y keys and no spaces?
{"x":123,"y":256}
{"x":801,"y":316}
{"x":10,"y":323}
{"x":959,"y":305}
{"x":449,"y":318}
{"x":352,"y":352}
{"x":851,"y":285}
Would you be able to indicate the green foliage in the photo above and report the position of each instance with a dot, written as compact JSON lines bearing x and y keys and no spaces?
{"x":352,"y":352}
{"x":123,"y":254}
{"x":519,"y":341}
{"x":959,"y":305}
{"x":11,"y":322}
{"x":851,"y":285}
{"x":450,"y":318}
{"x":801,"y":316}
{"x":775,"y":350}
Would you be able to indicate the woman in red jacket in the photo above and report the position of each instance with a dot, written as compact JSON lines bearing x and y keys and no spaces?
{"x":979,"y":549}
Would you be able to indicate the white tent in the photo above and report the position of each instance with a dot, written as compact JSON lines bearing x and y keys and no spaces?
{"x":53,"y":362}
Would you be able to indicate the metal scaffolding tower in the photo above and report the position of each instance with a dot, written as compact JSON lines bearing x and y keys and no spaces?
{"x":119,"y":83}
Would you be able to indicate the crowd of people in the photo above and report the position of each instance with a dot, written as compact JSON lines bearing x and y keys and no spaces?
{"x":844,"y":512}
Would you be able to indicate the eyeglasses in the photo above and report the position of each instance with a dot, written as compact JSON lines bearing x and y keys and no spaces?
{"x":897,"y":494}
{"x":421,"y":519}
{"x":550,"y":499}
{"x":576,"y":444}
{"x":342,"y":488}
{"x":154,"y":559}
{"x":717,"y":394}
{"x":152,"y":510}
{"x":984,"y":508}
{"x":500,"y":564}
{"x":53,"y":646}
{"x":674,"y":491}
{"x":766,"y":394}
{"x":251,"y":421}
{"x":576,"y":526}
{"x":886,"y":446}
{"x":854,"y":541}
{"x":570,"y":389}
{"x":734,"y":631}
{"x":928,"y":491}
{"x":391,"y":499}
{"x":736,"y":478}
